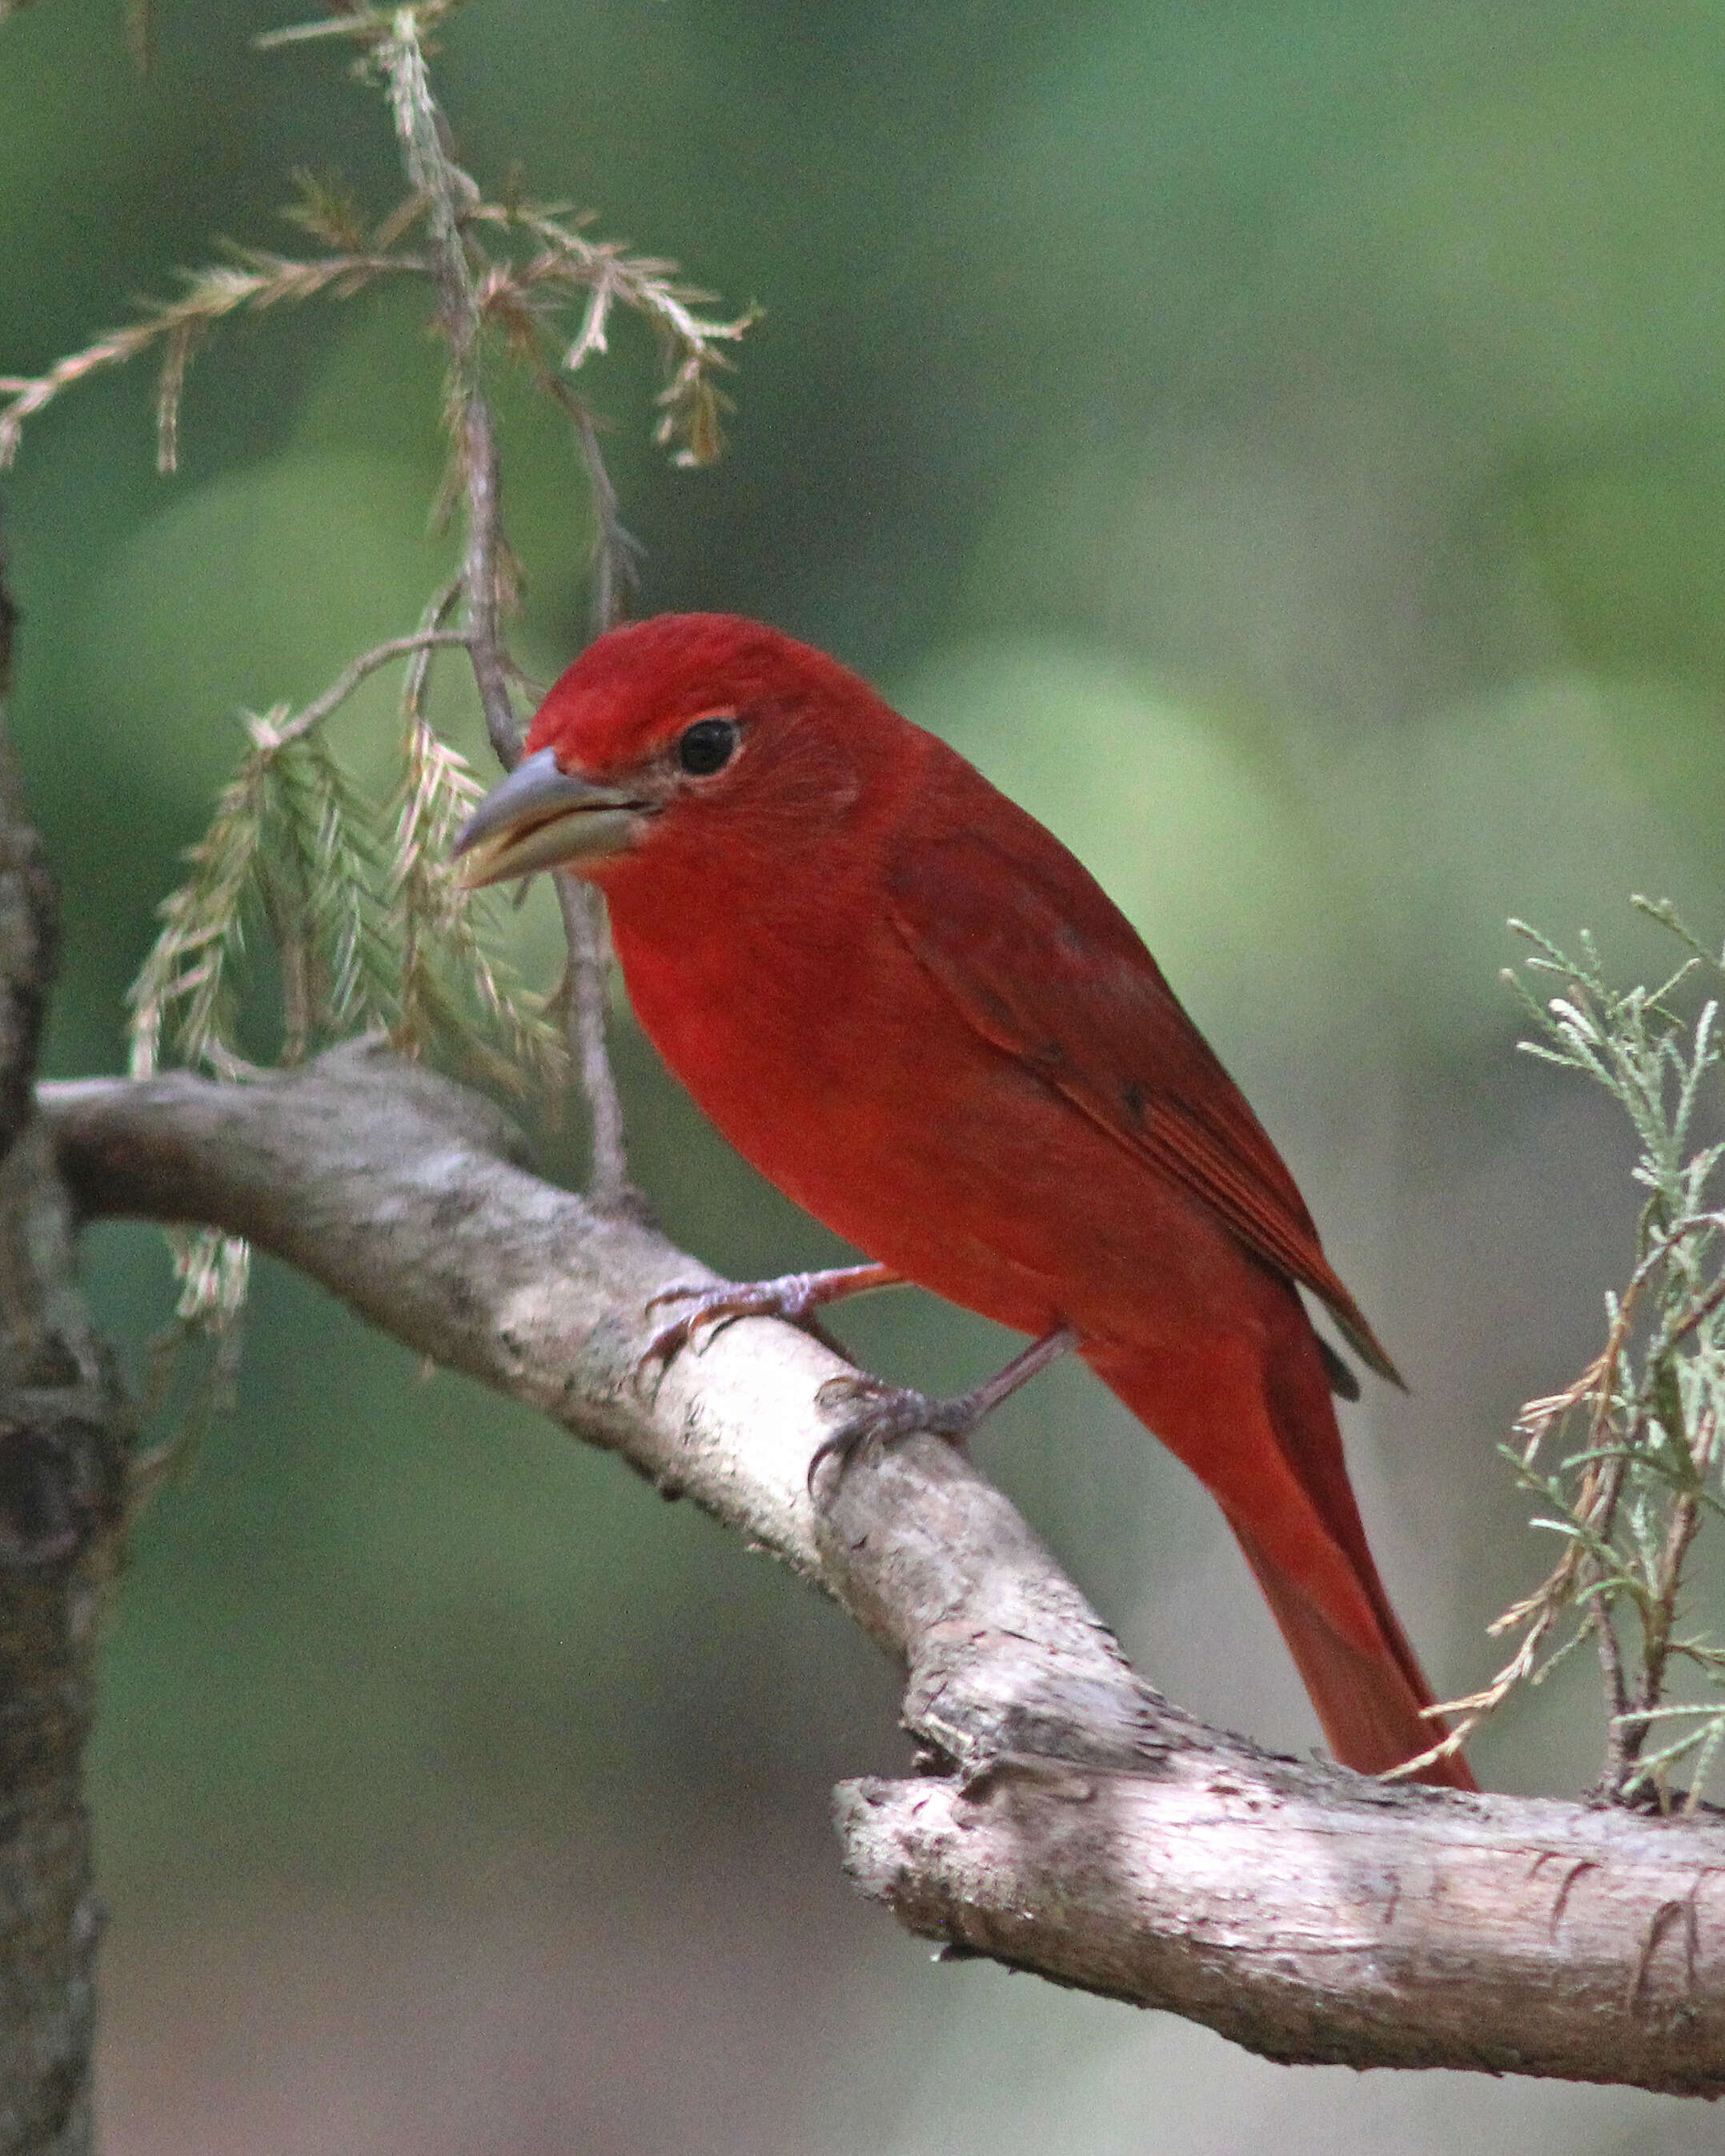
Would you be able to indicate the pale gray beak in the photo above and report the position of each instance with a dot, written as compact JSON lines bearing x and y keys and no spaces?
{"x":541,"y":817}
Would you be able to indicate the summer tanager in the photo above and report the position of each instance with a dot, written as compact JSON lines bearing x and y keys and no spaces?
{"x":915,"y":1012}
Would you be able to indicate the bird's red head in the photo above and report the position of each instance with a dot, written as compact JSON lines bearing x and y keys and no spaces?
{"x":665,"y":733}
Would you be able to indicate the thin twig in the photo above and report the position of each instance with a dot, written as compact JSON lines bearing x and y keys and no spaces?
{"x":1620,"y":1752}
{"x":412,"y":712}
{"x":254,"y":279}
{"x":431,"y":623}
{"x":615,"y":555}
{"x":616,"y":551}
{"x":1686,"y":1519}
{"x":449,"y":193}
{"x":362,"y":26}
{"x":490,"y":671}
{"x":589,"y":942}
{"x":423,"y":641}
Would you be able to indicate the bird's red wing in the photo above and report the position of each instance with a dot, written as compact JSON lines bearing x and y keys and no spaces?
{"x":1046,"y":968}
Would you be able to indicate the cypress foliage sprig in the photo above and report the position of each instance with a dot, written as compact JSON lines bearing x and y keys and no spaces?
{"x":355,"y":900}
{"x":1625,"y":1462}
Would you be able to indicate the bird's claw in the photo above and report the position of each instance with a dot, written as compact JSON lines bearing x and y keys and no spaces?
{"x":709,"y":1309}
{"x":881,"y":1413}
{"x":713,"y":1305}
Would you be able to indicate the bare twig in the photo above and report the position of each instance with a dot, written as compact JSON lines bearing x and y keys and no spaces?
{"x":449,"y":193}
{"x":1592,"y":1578}
{"x":616,"y":551}
{"x":589,"y":968}
{"x":414,"y":682}
{"x":451,"y":197}
{"x":419,"y":646}
{"x":369,"y":27}
{"x":1685,"y":1520}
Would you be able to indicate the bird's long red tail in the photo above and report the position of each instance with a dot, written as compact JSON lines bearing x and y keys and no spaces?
{"x":1261,"y":1435}
{"x":1368,"y":1703}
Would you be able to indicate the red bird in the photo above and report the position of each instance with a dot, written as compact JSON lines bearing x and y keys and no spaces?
{"x":917,"y":1014}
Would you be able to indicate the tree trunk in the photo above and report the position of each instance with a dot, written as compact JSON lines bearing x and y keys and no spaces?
{"x":65,"y":1435}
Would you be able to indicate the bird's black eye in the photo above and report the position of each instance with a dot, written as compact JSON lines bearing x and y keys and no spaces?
{"x":706,"y":746}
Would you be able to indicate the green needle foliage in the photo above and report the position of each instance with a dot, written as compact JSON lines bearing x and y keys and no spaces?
{"x":1625,"y":1461}
{"x":368,"y":935}
{"x":530,"y":265}
{"x":352,"y":903}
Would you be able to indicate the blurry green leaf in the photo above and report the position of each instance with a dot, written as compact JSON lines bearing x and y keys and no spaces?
{"x":1628,"y":539}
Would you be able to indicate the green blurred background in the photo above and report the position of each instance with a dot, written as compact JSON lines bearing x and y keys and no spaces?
{"x":1284,"y":445}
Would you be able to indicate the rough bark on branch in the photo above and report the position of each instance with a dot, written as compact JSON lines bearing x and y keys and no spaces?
{"x":1078,"y":1826}
{"x":65,"y":1436}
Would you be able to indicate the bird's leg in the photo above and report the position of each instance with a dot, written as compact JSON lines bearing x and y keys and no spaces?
{"x":792,"y":1296}
{"x":885,"y":1412}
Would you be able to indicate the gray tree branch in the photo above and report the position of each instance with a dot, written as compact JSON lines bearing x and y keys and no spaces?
{"x":1073,"y":1823}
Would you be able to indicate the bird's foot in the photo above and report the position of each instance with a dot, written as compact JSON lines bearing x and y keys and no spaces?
{"x":884,"y":1412}
{"x":792,"y":1296}
{"x":881,"y":1413}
